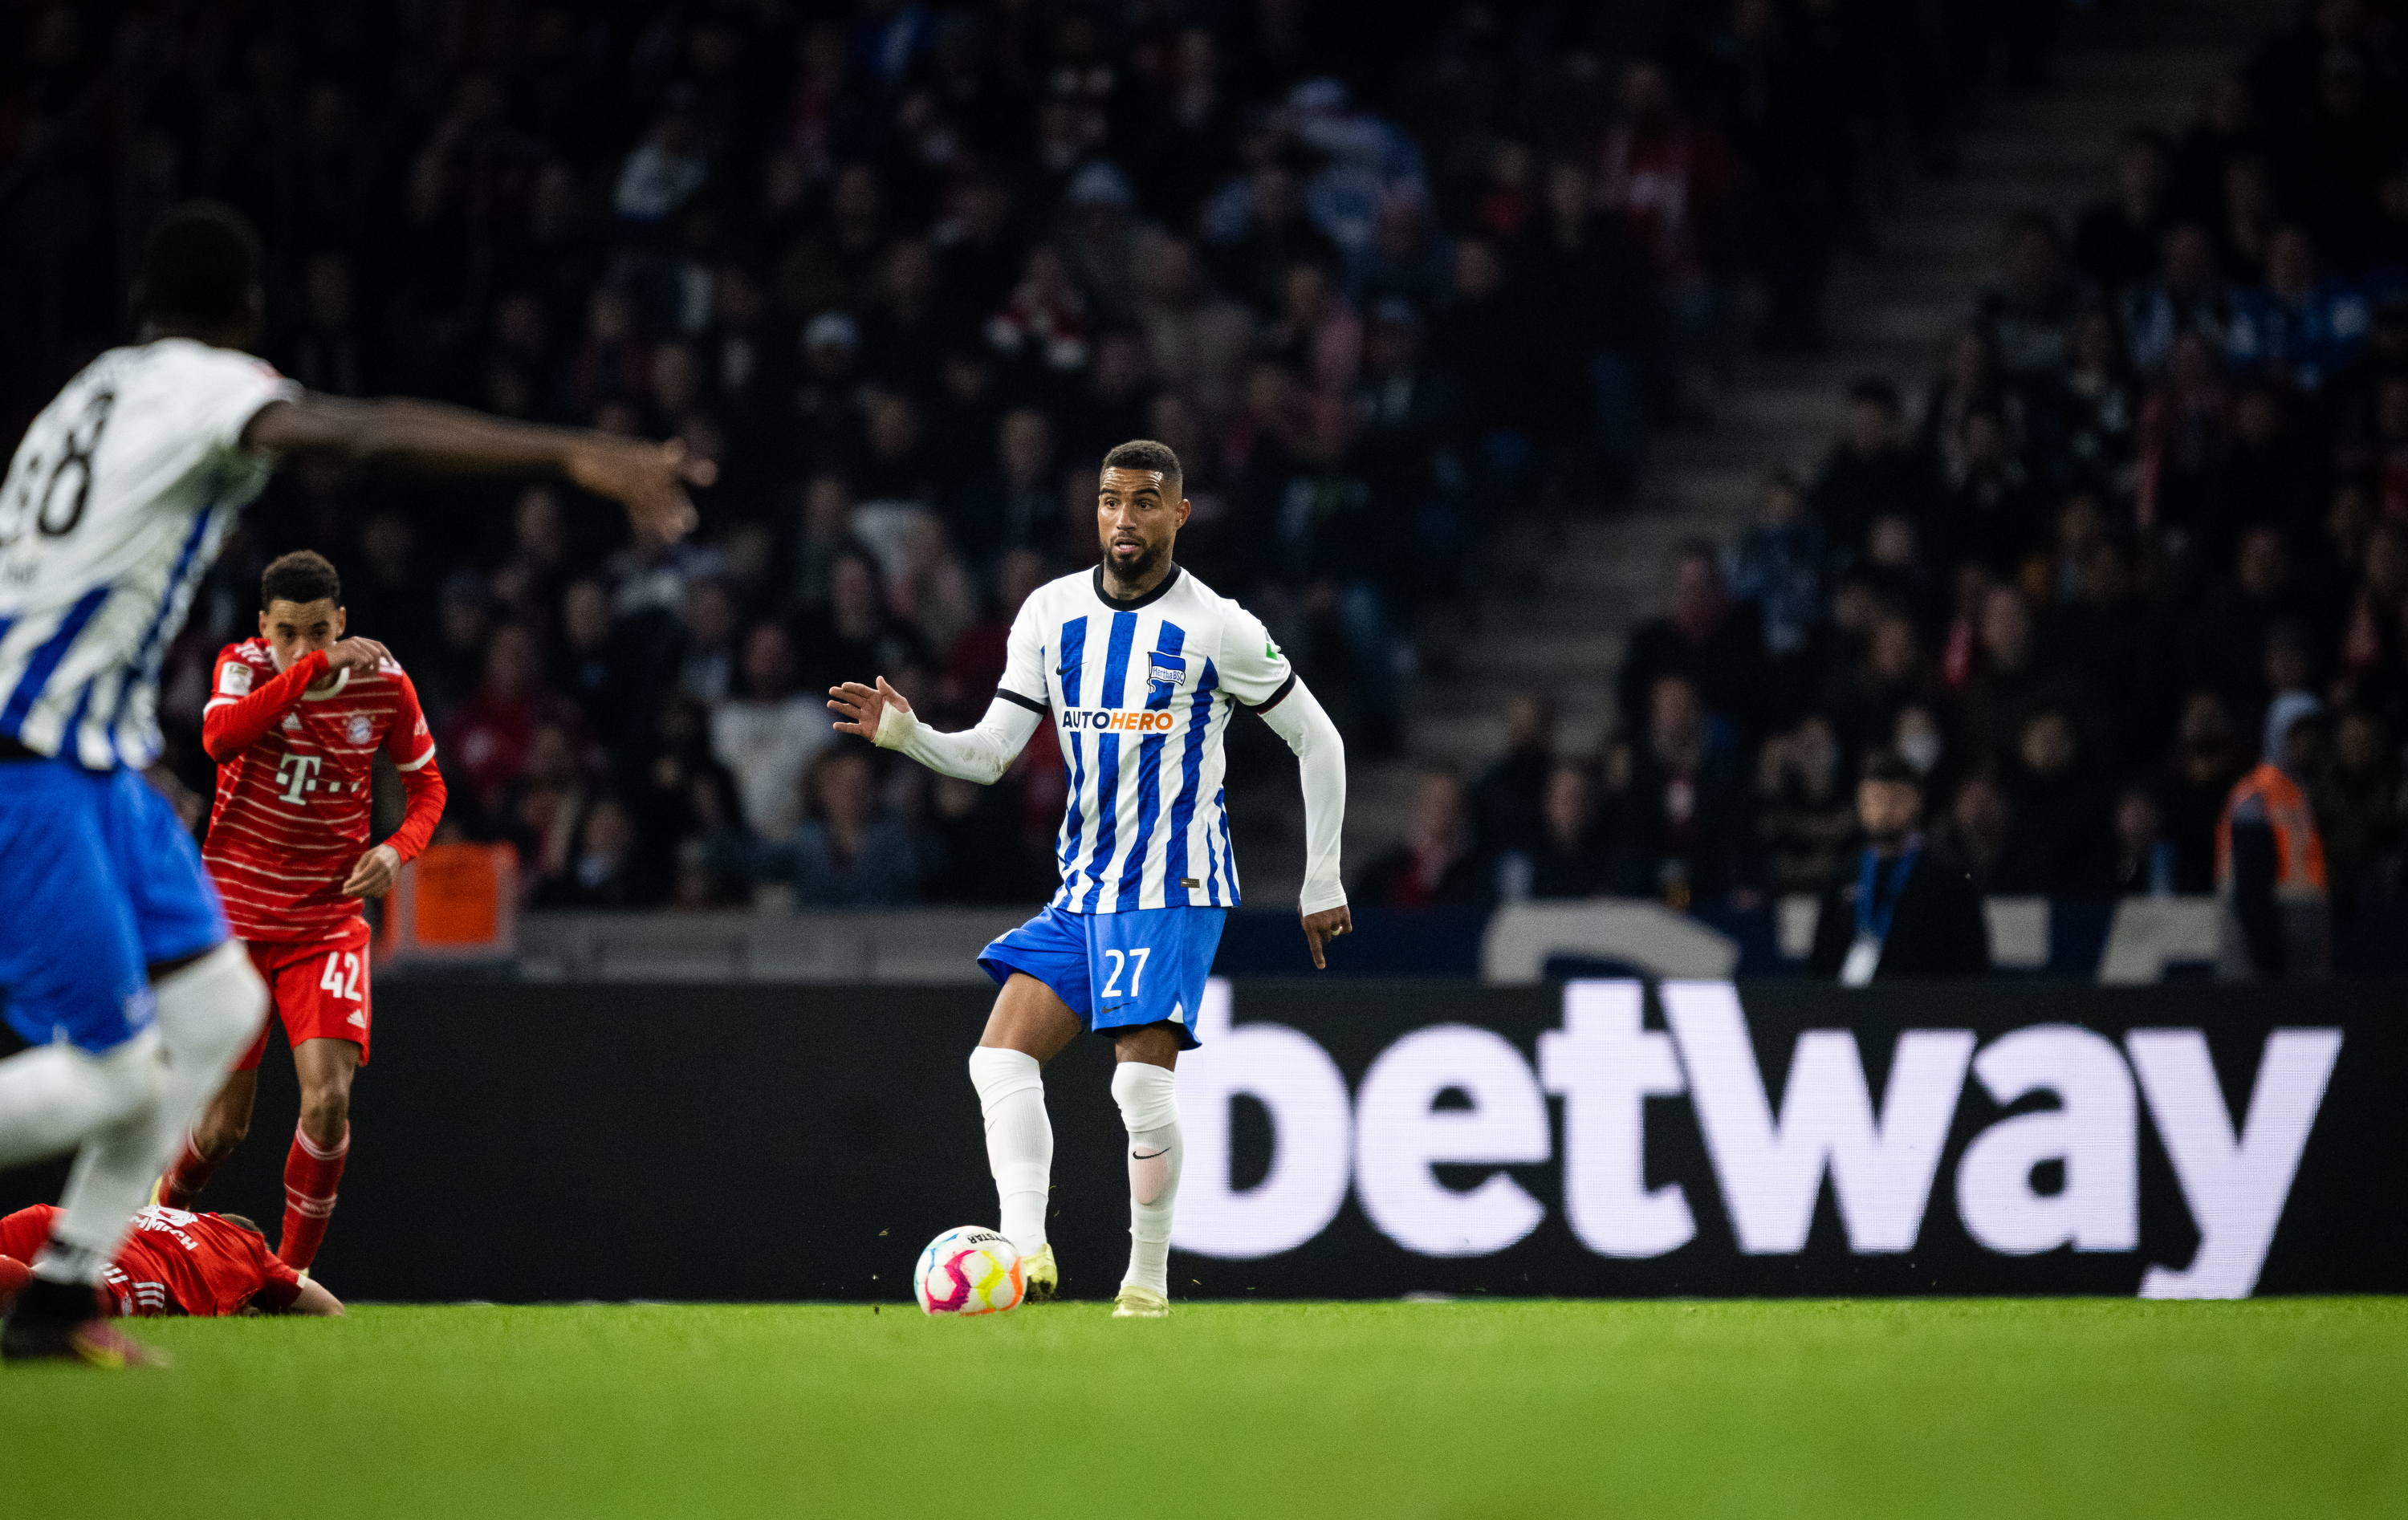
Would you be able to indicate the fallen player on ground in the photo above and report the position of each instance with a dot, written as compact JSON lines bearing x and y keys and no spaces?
{"x":173,"y":1262}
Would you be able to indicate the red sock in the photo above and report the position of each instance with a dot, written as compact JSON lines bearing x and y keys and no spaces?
{"x":310,"y":1178}
{"x":187,"y":1176}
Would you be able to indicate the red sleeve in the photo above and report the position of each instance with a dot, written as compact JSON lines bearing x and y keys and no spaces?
{"x":233,"y":722}
{"x":24,"y":1233}
{"x":279,"y":1285}
{"x":411,"y":745}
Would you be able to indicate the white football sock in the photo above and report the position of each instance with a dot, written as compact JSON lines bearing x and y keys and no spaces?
{"x":54,"y":1098}
{"x":1149,"y":1100}
{"x":1018,"y":1140}
{"x":208,"y":1012}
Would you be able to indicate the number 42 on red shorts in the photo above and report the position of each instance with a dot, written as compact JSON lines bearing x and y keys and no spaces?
{"x":319,"y":989}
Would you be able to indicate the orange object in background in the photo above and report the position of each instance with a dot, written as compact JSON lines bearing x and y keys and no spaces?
{"x":454,"y":902}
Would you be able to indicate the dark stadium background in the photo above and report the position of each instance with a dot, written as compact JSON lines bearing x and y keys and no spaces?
{"x":1385,"y":275}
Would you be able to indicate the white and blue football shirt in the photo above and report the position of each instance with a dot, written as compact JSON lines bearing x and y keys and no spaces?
{"x":111,"y":512}
{"x":1141,"y":693}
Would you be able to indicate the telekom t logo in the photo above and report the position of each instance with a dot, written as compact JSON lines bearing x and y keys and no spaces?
{"x":298,"y":773}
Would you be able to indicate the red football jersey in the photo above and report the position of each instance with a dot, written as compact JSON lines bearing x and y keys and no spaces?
{"x":294,"y":771}
{"x":173,"y":1263}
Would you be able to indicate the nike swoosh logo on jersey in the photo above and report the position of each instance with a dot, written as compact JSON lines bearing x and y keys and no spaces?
{"x":1148,"y":1155}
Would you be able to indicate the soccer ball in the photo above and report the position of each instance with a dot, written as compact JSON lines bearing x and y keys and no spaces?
{"x":969,"y":1270}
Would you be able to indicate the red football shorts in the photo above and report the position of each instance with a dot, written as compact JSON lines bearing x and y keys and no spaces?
{"x":319,"y":988}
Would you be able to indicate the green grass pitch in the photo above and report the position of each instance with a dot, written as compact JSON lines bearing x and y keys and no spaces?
{"x":1480,"y":1409}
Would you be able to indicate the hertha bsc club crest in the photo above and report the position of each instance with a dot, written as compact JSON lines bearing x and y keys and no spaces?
{"x":359,"y":730}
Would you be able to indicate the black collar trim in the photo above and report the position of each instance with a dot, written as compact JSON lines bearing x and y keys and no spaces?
{"x":1133,"y":604}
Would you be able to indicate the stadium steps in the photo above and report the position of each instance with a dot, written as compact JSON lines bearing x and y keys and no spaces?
{"x":1560,"y":592}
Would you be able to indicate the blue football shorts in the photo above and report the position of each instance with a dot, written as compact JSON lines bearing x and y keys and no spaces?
{"x":1116,"y":971}
{"x":98,"y":881}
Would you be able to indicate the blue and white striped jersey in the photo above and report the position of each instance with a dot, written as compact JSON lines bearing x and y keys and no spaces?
{"x":1140,"y":695}
{"x":112,"y":509}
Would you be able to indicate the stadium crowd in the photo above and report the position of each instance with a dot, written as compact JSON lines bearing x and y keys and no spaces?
{"x":2145,"y":526}
{"x":1377,"y":272}
{"x":1381,"y":274}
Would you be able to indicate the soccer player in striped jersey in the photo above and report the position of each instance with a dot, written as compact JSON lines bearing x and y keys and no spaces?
{"x":1141,"y":666}
{"x":295,"y":721}
{"x":115,"y":959}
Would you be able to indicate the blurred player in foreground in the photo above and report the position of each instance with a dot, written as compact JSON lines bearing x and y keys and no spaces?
{"x":296,"y":720}
{"x":1142,"y":666}
{"x":114,"y":956}
{"x":207,"y":1266}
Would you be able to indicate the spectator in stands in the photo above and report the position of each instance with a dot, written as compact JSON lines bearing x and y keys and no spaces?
{"x":1568,"y":859}
{"x":1683,"y":831}
{"x":2299,"y":327}
{"x":766,"y":736}
{"x":604,"y":872}
{"x":2361,"y":811}
{"x":2188,"y":296}
{"x":1668,"y":178}
{"x":704,"y":663}
{"x":1509,"y":801}
{"x":849,"y":851}
{"x":488,"y":737}
{"x":2192,"y":789}
{"x":1711,"y":642}
{"x":1199,"y":341}
{"x":2059,"y":842}
{"x":1991,"y":512}
{"x":1779,"y":565}
{"x":855,"y":637}
{"x":2275,"y":923}
{"x":1911,"y":907}
{"x":1334,"y":559}
{"x":1438,"y":866}
{"x":2145,"y":858}
{"x":1584,"y":273}
{"x":1978,"y":823}
{"x":1873,"y":471}
{"x":1969,"y":382}
{"x":974,"y":664}
{"x":1803,"y":813}
{"x":1483,"y":338}
{"x":2115,"y":244}
{"x":1016,"y":504}
{"x":1267,"y":235}
{"x":2028,"y":318}
{"x":2008,"y":682}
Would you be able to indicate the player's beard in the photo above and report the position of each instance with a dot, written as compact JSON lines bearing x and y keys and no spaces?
{"x":1143,"y":567}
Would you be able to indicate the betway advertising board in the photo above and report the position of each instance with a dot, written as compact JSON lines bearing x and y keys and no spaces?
{"x":1612,"y":1138}
{"x":1354,"y":1139}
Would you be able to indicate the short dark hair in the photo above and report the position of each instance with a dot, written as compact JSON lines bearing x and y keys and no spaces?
{"x":302,"y":576}
{"x":199,"y":266}
{"x":243,"y":1222}
{"x":1889,"y":765}
{"x":1144,"y":453}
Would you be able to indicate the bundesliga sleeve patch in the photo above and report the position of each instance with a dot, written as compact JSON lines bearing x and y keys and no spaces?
{"x":234,"y":679}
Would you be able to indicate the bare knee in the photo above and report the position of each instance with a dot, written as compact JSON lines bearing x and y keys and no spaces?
{"x":325,"y":1115}
{"x":217,"y":1134}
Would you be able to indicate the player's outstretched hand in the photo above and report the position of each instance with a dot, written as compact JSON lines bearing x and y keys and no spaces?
{"x":375,"y":874}
{"x":647,"y":479}
{"x":858,"y":708}
{"x":361,"y":654}
{"x":1324,"y":926}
